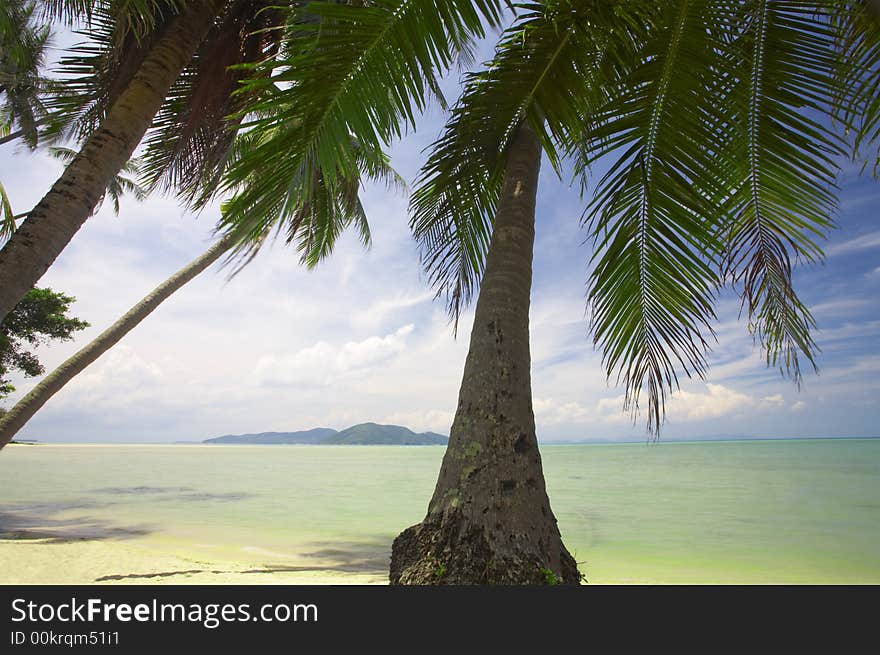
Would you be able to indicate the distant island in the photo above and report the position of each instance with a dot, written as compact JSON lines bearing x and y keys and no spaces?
{"x":363,"y":434}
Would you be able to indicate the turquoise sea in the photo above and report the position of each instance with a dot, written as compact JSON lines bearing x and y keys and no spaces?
{"x":802,"y":511}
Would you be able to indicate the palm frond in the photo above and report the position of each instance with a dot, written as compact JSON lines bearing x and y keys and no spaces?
{"x":858,"y":47}
{"x":7,"y":216}
{"x":69,"y":12}
{"x":347,"y":74}
{"x":652,"y":289}
{"x":190,"y":138}
{"x":187,"y":141}
{"x":138,"y":17}
{"x":321,"y":211}
{"x":785,"y":167}
{"x":23,"y":43}
{"x":93,"y":73}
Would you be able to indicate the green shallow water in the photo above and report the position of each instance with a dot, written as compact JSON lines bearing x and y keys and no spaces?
{"x":804,"y":511}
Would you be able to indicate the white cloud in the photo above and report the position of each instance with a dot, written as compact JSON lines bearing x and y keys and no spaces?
{"x":865,"y":370}
{"x":719,"y":401}
{"x":847,"y":332}
{"x":552,"y":412}
{"x":798,"y":406}
{"x":864,"y":242}
{"x":605,"y":411}
{"x":380,"y":310}
{"x":840,"y":307}
{"x":119,"y":379}
{"x":683,"y":406}
{"x":324,"y":363}
{"x":610,"y":410}
{"x":776,"y":400}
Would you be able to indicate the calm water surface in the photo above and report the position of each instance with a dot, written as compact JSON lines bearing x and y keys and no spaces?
{"x":753,"y":512}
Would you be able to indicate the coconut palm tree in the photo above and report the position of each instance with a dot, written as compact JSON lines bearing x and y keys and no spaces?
{"x":714,"y":119}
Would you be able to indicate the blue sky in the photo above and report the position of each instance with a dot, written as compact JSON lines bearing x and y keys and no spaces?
{"x":360,"y":338}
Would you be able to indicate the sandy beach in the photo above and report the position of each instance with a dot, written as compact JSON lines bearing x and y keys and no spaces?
{"x":746,"y":513}
{"x":45,"y":561}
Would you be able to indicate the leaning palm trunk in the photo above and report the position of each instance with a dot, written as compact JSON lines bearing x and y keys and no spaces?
{"x":12,"y":136}
{"x":54,"y":221}
{"x":24,"y":409}
{"x":489,"y":521}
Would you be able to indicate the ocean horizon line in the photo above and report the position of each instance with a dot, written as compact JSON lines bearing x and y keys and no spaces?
{"x":555,"y":442}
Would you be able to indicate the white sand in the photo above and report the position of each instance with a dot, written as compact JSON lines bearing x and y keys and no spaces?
{"x":126,"y":562}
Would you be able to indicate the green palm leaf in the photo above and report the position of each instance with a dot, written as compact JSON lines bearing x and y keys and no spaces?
{"x":652,"y":290}
{"x":784,"y":164}
{"x":7,"y":216}
{"x":23,"y":44}
{"x":95,"y":71}
{"x":348,"y":75}
{"x":320,"y":213}
{"x":858,"y":41}
{"x":188,"y":143}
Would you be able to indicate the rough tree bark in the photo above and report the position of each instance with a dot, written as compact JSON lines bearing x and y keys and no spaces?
{"x":489,"y":521}
{"x":24,"y":409}
{"x":54,"y":221}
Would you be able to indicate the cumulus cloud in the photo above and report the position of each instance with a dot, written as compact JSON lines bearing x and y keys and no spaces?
{"x":120,"y":378}
{"x":605,"y":411}
{"x":324,"y":363}
{"x":553,"y":412}
{"x":718,"y":401}
{"x":683,"y":406}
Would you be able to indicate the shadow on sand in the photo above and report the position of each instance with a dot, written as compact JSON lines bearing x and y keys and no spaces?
{"x":40,"y":521}
{"x":367,"y":557}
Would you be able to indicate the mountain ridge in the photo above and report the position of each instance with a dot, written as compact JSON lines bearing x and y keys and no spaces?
{"x":363,"y":434}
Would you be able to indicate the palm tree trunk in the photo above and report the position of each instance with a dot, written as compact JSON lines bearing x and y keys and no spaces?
{"x":56,"y":218}
{"x":24,"y":409}
{"x":12,"y":136}
{"x":489,"y":521}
